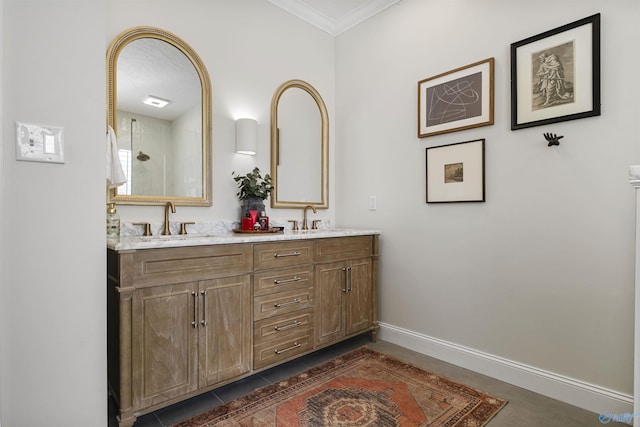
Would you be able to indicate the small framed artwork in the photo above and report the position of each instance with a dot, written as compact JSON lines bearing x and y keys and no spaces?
{"x":555,"y":76}
{"x":455,"y":172}
{"x":456,"y":100}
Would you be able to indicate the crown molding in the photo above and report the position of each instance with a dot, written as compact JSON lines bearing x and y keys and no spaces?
{"x":366,"y":11}
{"x":328,"y":24}
{"x":308,"y":14}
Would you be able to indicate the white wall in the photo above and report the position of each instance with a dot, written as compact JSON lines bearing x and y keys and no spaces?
{"x":52,"y":294}
{"x":249,"y":48}
{"x":3,"y":180}
{"x":542,"y":273}
{"x":53,"y":245}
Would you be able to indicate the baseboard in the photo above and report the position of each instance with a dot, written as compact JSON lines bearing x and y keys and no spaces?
{"x":575,"y":392}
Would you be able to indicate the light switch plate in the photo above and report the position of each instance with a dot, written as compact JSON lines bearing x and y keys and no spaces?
{"x":373,"y":203}
{"x":39,"y":143}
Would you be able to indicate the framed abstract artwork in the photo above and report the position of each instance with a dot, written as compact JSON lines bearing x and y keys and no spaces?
{"x":455,"y":172}
{"x":456,"y":100}
{"x":555,"y":76}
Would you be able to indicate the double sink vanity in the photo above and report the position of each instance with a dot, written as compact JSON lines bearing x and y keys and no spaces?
{"x":187,"y":314}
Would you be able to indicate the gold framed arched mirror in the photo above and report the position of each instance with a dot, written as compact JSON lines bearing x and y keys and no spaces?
{"x":159,"y":104}
{"x":299,"y":147}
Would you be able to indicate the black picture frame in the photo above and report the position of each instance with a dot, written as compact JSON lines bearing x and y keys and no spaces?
{"x":555,"y":75}
{"x":455,"y":172}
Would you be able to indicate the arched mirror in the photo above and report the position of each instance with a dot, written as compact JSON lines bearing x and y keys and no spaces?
{"x":299,"y":147}
{"x":159,"y":104}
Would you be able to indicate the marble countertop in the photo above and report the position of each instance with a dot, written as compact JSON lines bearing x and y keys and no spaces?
{"x":126,"y":243}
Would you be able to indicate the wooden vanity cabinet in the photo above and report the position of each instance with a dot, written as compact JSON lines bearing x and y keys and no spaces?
{"x":188,"y":336}
{"x":164,"y":344}
{"x":225,"y":329}
{"x":183,"y":318}
{"x":283,"y":301}
{"x":345,"y":289}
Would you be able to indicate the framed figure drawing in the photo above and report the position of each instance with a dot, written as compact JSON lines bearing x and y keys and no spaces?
{"x":555,"y":76}
{"x":456,"y":100}
{"x":455,"y":172}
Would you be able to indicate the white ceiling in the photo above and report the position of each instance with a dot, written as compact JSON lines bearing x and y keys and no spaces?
{"x":334,"y":16}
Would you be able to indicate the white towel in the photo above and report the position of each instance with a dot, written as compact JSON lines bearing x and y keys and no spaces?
{"x":115,"y":174}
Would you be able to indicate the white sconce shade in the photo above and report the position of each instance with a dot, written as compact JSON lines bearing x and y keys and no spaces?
{"x":246,"y":136}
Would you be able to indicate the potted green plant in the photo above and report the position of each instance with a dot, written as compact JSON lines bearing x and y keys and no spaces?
{"x":253,"y":189}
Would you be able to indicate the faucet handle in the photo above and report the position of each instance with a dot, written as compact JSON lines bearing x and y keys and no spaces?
{"x":295,"y":224}
{"x":314,"y":225}
{"x":147,"y":228}
{"x":183,"y":227}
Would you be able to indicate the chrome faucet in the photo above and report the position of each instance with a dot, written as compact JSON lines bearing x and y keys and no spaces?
{"x":167,"y":228}
{"x":305,"y":224}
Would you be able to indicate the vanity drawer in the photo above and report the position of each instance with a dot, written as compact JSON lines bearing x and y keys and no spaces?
{"x":272,"y":352}
{"x":279,"y":328}
{"x":341,"y":248}
{"x":282,"y":279}
{"x":278,"y":303}
{"x":282,"y":254}
{"x":152,"y":267}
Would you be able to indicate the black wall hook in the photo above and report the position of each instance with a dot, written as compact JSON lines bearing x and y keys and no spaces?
{"x":552,"y":138}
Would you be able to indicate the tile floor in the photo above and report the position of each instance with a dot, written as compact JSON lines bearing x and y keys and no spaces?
{"x":525,"y":408}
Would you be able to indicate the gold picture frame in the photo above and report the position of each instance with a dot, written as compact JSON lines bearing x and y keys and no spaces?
{"x":459,"y":99}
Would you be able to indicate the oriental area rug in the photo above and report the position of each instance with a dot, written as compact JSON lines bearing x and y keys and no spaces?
{"x":362,"y":388}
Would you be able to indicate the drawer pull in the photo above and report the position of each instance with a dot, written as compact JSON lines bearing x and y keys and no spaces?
{"x":285,"y":304}
{"x":296,"y":253}
{"x":289,"y":326}
{"x":280,"y":282}
{"x":294,"y":346}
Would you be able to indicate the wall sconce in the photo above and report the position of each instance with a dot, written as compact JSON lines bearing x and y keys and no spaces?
{"x":246,"y":136}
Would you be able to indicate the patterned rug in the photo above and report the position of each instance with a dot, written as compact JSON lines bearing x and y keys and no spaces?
{"x":361,"y":388}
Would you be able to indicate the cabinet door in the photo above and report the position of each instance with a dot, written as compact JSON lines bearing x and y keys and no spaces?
{"x":359,"y":296}
{"x":330,"y":290}
{"x":225,"y":329}
{"x":164,"y":341}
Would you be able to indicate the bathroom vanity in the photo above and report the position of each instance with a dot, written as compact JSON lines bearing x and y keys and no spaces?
{"x":187,"y":314}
